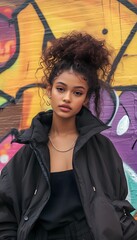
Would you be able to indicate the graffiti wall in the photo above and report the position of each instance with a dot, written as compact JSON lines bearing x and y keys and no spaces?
{"x":28,"y":26}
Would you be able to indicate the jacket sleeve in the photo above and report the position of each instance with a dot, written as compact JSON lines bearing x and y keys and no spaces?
{"x":10,"y":185}
{"x":8,"y":222}
{"x":122,"y":206}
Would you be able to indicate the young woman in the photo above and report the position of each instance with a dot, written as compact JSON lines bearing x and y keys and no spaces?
{"x":67,"y":181}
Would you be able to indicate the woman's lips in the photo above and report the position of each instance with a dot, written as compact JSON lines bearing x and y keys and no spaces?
{"x":65,"y":108}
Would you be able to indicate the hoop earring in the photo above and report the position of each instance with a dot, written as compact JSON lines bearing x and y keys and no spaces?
{"x":47,"y":103}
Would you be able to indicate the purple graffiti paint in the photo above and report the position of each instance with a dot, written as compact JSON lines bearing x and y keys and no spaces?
{"x":123,"y":131}
{"x":7,"y":37}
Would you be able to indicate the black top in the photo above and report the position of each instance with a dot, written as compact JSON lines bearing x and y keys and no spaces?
{"x":64,"y":205}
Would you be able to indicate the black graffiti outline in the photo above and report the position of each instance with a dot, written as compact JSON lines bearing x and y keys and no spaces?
{"x":12,"y":60}
{"x":114,"y":100}
{"x":47,"y":35}
{"x":126,"y":88}
{"x":129,"y":5}
{"x":131,"y":89}
{"x":12,"y":100}
{"x":121,"y":51}
{"x":129,"y":38}
{"x":129,"y":121}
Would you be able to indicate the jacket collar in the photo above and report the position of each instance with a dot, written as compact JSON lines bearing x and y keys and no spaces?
{"x":87,"y":125}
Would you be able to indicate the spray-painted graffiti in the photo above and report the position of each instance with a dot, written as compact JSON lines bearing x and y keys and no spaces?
{"x":27,"y":26}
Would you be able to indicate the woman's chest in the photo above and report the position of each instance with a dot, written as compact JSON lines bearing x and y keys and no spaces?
{"x":60,"y":161}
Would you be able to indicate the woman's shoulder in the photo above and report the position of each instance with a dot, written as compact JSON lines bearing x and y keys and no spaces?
{"x":19,"y":162}
{"x":100,"y":137}
{"x":108,"y":150}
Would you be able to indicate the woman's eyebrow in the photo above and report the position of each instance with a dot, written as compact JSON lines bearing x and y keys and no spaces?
{"x":66,"y":85}
{"x":61,"y":83}
{"x":79,"y":87}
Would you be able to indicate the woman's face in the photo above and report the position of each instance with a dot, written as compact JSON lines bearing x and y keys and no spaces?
{"x":68,"y":94}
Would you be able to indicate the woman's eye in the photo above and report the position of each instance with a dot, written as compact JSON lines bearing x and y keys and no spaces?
{"x":78,"y":93}
{"x":60,"y":89}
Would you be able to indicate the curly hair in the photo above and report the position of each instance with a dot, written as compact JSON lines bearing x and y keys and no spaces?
{"x":84,"y":54}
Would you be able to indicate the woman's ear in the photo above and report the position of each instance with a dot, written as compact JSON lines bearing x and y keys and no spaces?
{"x":85,"y":103}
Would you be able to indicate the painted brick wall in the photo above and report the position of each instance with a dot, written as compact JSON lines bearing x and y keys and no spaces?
{"x":28,"y":26}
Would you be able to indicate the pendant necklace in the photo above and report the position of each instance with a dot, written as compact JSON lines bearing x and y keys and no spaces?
{"x":59,"y":150}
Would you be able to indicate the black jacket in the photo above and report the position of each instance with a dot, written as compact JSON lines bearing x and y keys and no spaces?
{"x":25,"y":182}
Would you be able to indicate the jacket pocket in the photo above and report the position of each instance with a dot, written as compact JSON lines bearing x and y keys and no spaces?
{"x":128,"y":223}
{"x":105,"y":220}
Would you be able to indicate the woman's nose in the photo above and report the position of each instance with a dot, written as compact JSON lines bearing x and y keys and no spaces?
{"x":67,"y":97}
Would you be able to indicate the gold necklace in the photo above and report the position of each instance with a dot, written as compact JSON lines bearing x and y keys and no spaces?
{"x":58,"y":150}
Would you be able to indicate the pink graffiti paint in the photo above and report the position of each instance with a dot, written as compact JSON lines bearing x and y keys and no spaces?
{"x":7,"y":151}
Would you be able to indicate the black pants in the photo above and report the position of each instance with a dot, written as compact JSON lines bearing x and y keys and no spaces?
{"x":77,"y":230}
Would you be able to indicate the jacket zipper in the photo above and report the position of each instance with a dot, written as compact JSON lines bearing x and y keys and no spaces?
{"x":44,"y":170}
{"x":41,"y":165}
{"x":44,"y":173}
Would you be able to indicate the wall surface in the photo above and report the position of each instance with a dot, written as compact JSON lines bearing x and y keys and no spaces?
{"x":28,"y":26}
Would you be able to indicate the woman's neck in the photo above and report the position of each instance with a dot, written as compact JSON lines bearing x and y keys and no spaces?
{"x":63,"y":127}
